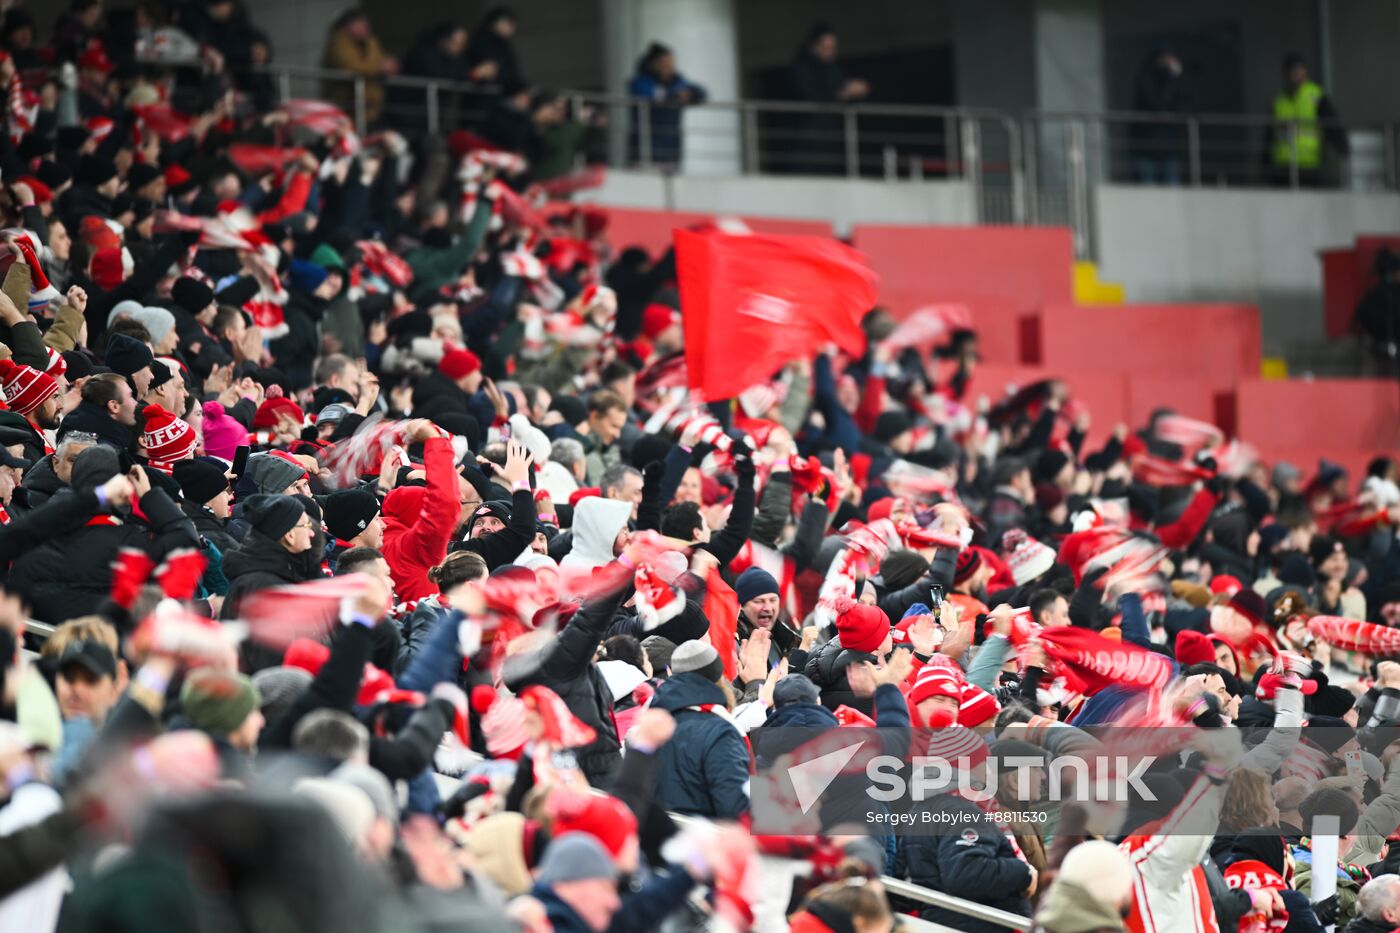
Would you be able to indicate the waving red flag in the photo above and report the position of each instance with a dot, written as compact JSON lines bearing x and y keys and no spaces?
{"x":722,"y":609}
{"x":752,"y":302}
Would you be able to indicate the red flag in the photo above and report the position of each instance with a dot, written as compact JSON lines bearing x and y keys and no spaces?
{"x":722,"y":609}
{"x":751,"y":303}
{"x":1100,"y":662}
{"x":254,"y":159}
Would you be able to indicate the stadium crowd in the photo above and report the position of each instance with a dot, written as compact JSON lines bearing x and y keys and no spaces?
{"x":396,"y":581}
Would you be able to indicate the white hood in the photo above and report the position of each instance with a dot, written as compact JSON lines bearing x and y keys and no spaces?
{"x":597,"y":522}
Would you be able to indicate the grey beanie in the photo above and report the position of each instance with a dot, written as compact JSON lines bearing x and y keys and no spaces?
{"x":375,"y":785}
{"x":273,"y":475}
{"x":698,"y":656}
{"x":280,"y":686}
{"x":659,"y":649}
{"x":795,"y":688}
{"x":94,"y":466}
{"x":575,"y":856}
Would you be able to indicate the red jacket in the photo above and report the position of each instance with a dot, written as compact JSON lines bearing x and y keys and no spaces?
{"x":418,"y":522}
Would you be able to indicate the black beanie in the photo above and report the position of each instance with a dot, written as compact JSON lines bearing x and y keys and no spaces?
{"x":648,"y":449}
{"x":200,"y":480}
{"x":890,"y":425}
{"x":77,"y":364}
{"x":94,"y":171}
{"x":461,"y":424}
{"x":54,"y":174}
{"x":349,"y":512}
{"x":273,"y":516}
{"x":901,"y":568}
{"x":141,"y":175}
{"x":191,"y":295}
{"x":1328,"y":733}
{"x":494,"y":508}
{"x":126,"y":355}
{"x":1048,"y":465}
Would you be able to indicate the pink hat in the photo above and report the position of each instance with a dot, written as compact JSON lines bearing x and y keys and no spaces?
{"x":223,"y":434}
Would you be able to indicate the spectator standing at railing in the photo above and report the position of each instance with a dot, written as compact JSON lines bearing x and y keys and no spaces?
{"x":491,"y":53}
{"x":666,"y":91}
{"x":1158,"y":146}
{"x":439,"y":53}
{"x":816,"y":78}
{"x":1298,"y":134}
{"x":352,"y":46}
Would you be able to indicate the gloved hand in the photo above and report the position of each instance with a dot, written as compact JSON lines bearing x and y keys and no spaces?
{"x":1327,"y":910}
{"x":744,"y":468}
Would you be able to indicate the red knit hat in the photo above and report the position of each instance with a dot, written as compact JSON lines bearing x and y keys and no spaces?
{"x":1225,"y":583}
{"x":656,"y":318}
{"x":25,"y":387}
{"x":306,"y":654}
{"x":270,"y":410}
{"x":58,"y":366}
{"x":1193,"y":648}
{"x":936,"y":681}
{"x":863,"y":628}
{"x":166,"y":439}
{"x":459,"y":362}
{"x":107,"y":268}
{"x":602,"y":816}
{"x":583,"y":492}
{"x":977,"y":706}
{"x":881,"y":508}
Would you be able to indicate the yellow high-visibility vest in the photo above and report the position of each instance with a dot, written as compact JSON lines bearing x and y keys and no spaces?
{"x":1299,"y":109}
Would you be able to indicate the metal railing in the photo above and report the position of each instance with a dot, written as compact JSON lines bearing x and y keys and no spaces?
{"x":1034,"y":167}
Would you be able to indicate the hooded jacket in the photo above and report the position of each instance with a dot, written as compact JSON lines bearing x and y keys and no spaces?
{"x":418,"y":522}
{"x":597,"y":523}
{"x":256,"y":564}
{"x":705,"y":766}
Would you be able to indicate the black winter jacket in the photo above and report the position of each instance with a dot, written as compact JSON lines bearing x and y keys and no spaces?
{"x":705,"y":765}
{"x":41,"y":483}
{"x":71,"y":574}
{"x":566,"y":667}
{"x":969,"y":858}
{"x":826,"y":667}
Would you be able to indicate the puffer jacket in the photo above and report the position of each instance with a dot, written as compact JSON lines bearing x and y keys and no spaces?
{"x":705,"y":766}
{"x":41,"y":483}
{"x":826,"y":667}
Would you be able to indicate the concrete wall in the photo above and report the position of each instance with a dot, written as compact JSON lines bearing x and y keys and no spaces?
{"x":1251,"y":246}
{"x":843,"y":203}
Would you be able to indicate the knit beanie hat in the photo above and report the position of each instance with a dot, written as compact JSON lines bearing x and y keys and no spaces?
{"x":94,"y":467}
{"x":1193,"y":648}
{"x":863,"y":628}
{"x":890,"y":425}
{"x":126,"y":355}
{"x":458,"y":362}
{"x":575,"y":857}
{"x":348,"y":512}
{"x":223,"y":434}
{"x":26,"y":388}
{"x":273,"y":516}
{"x":1025,"y":556}
{"x":272,"y":473}
{"x":1250,"y":605}
{"x":935,"y":681}
{"x":977,"y":706}
{"x":968,"y":562}
{"x":659,"y":650}
{"x":698,"y":656}
{"x":218,"y":701}
{"x":793,"y":689}
{"x":273,"y":409}
{"x":753,"y":583}
{"x":108,"y":268}
{"x":601,"y":816}
{"x":279,"y":688}
{"x":306,"y":276}
{"x":157,"y":321}
{"x":166,"y":439}
{"x":191,"y":295}
{"x":199,"y":479}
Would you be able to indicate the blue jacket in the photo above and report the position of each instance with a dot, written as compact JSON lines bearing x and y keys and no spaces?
{"x":642,"y":910}
{"x":663,"y":121}
{"x":705,"y":766}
